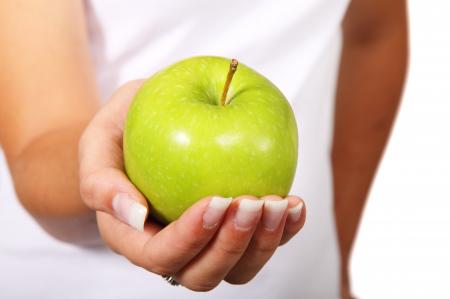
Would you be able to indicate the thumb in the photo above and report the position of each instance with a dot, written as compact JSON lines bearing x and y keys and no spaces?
{"x":110,"y":191}
{"x":103,"y":183}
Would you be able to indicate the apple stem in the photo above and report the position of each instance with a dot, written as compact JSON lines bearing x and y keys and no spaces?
{"x":231,"y":71}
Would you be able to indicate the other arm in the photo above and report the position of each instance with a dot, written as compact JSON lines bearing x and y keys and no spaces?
{"x":371,"y":77}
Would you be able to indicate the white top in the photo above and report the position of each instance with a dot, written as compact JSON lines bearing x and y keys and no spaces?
{"x":295,"y":44}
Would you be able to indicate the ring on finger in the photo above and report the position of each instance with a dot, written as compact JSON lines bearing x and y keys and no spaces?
{"x":170,"y":280}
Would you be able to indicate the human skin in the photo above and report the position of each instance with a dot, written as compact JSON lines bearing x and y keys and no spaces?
{"x":54,"y":98}
{"x":371,"y":77}
{"x":52,"y":93}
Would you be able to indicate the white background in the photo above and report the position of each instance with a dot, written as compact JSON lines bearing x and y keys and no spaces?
{"x":403,"y":247}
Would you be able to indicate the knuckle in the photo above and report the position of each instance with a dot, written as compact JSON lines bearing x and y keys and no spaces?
{"x":87,"y":184}
{"x":153,"y":263}
{"x":96,"y":188}
{"x":94,"y":192}
{"x":232,"y":249}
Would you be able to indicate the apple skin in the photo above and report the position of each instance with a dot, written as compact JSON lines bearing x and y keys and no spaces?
{"x":181,"y":145}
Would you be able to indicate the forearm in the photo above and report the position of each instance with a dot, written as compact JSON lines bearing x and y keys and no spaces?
{"x":47,"y":96}
{"x":371,"y":78}
{"x":46,"y":180}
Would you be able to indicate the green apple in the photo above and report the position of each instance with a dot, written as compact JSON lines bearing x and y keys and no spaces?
{"x":194,"y":131}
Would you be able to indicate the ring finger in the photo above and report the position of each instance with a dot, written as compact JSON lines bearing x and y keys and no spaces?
{"x":211,"y":266}
{"x":264,"y":243}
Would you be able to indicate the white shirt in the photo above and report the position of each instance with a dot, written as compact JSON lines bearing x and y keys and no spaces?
{"x":293,"y":43}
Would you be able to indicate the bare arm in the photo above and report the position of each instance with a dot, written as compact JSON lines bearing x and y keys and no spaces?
{"x":371,"y":77}
{"x":47,"y":97}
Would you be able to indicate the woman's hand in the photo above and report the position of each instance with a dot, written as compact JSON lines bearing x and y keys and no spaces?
{"x":216,"y":239}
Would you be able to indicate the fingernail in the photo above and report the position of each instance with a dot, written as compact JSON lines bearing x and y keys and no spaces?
{"x":273,"y":213}
{"x":214,"y":212}
{"x":247,"y":213}
{"x":295,"y":212}
{"x":129,"y":211}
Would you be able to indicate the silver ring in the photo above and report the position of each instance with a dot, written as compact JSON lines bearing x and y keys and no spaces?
{"x":170,"y":280}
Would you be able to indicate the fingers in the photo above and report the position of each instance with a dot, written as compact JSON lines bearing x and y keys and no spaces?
{"x":264,"y":242}
{"x":174,"y":246}
{"x":213,"y":240}
{"x":103,"y":184}
{"x":122,"y":238}
{"x":296,"y":218}
{"x":166,"y":250}
{"x":210,"y":267}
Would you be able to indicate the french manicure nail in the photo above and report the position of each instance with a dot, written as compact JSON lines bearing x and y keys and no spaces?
{"x":295,"y":212}
{"x":214,"y":212}
{"x":129,"y":211}
{"x":247,"y":213}
{"x":273,"y":213}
